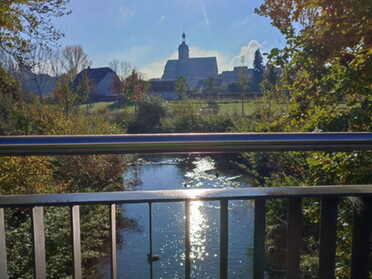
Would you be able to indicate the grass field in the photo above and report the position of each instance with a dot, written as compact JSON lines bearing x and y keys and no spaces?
{"x":225,"y":107}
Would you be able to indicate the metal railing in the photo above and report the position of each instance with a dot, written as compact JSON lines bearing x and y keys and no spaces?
{"x":176,"y":143}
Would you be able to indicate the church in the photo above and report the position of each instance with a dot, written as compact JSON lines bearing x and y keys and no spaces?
{"x":192,"y":69}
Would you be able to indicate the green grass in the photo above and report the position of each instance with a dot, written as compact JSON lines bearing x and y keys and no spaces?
{"x":225,"y":107}
{"x":109,"y":106}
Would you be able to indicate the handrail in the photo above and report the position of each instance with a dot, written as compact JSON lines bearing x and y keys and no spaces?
{"x":182,"y":143}
{"x":183,"y":195}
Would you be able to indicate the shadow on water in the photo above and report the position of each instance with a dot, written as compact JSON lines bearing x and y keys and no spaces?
{"x":163,"y":172}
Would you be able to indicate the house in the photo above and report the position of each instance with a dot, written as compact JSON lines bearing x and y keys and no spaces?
{"x":102,"y":83}
{"x":164,"y":89}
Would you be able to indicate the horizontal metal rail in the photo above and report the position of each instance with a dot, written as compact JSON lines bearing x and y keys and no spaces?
{"x":183,"y":143}
{"x":183,"y":195}
{"x":328,"y":195}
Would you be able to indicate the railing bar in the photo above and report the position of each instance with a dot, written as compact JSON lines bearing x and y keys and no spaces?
{"x":182,"y":143}
{"x":259,"y":238}
{"x":294,"y":229}
{"x":182,"y":195}
{"x":328,"y":234}
{"x":224,"y":238}
{"x":38,"y":236}
{"x":150,"y":256}
{"x":3,"y":257}
{"x":113,"y":241}
{"x":76,"y":241}
{"x":187,"y":240}
{"x":361,"y":249}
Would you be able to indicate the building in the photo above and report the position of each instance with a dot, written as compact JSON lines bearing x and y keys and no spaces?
{"x":192,"y":69}
{"x":164,"y":89}
{"x":102,"y":80}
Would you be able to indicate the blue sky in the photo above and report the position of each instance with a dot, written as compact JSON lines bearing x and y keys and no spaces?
{"x":146,"y":32}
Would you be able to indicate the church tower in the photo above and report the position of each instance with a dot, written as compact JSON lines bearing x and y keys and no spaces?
{"x":183,"y":58}
{"x":183,"y":49}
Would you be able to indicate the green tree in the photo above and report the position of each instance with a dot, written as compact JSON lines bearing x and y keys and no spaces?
{"x":135,"y":88}
{"x":181,"y":87}
{"x":84,"y":89}
{"x":258,"y":71}
{"x":243,"y":83}
{"x":210,"y":83}
{"x":24,"y":23}
{"x":327,"y":64}
{"x":63,"y":93}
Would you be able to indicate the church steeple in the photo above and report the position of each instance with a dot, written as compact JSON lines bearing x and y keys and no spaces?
{"x":183,"y":49}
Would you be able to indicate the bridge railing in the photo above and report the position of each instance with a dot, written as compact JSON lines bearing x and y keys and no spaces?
{"x":184,"y":143}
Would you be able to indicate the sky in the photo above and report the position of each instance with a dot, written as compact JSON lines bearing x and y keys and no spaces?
{"x":146,"y":33}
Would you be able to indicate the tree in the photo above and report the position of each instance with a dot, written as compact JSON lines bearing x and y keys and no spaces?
{"x":181,"y":87}
{"x":74,"y":59}
{"x":64,"y":94}
{"x":135,"y":88}
{"x":243,"y":82}
{"x":210,"y":83}
{"x":84,"y":88}
{"x":258,"y":71}
{"x":122,"y":69}
{"x":326,"y":63}
{"x":39,"y":67}
{"x":24,"y":23}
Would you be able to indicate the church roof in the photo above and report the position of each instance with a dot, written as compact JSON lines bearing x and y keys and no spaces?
{"x":203,"y":65}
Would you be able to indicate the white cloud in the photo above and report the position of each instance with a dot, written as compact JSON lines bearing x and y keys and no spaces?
{"x":248,"y":52}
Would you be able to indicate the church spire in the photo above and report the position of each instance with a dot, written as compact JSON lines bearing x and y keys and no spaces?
{"x":183,"y":49}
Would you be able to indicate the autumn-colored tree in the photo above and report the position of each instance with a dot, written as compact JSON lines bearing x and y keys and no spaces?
{"x":24,"y":23}
{"x":327,"y":63}
{"x":135,"y":88}
{"x":63,"y":93}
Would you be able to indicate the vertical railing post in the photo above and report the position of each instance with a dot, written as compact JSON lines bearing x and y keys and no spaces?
{"x":113,"y":241}
{"x":187,"y":240}
{"x":294,"y":229}
{"x":76,"y":241}
{"x":3,"y":258}
{"x":259,"y":238}
{"x":224,"y":239}
{"x":328,"y":233}
{"x":150,"y":240}
{"x":362,"y":233}
{"x":38,"y":236}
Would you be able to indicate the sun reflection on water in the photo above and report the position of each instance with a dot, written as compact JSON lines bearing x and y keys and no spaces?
{"x":198,"y":228}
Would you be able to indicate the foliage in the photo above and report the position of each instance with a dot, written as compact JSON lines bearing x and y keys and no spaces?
{"x":327,"y":62}
{"x":150,"y":112}
{"x":258,"y":71}
{"x":64,"y":94}
{"x":180,"y":87}
{"x":26,"y":22}
{"x":326,"y":71}
{"x":210,"y":83}
{"x":135,"y":88}
{"x":85,"y":88}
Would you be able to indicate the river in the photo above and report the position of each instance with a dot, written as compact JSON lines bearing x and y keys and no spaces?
{"x":162,"y":172}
